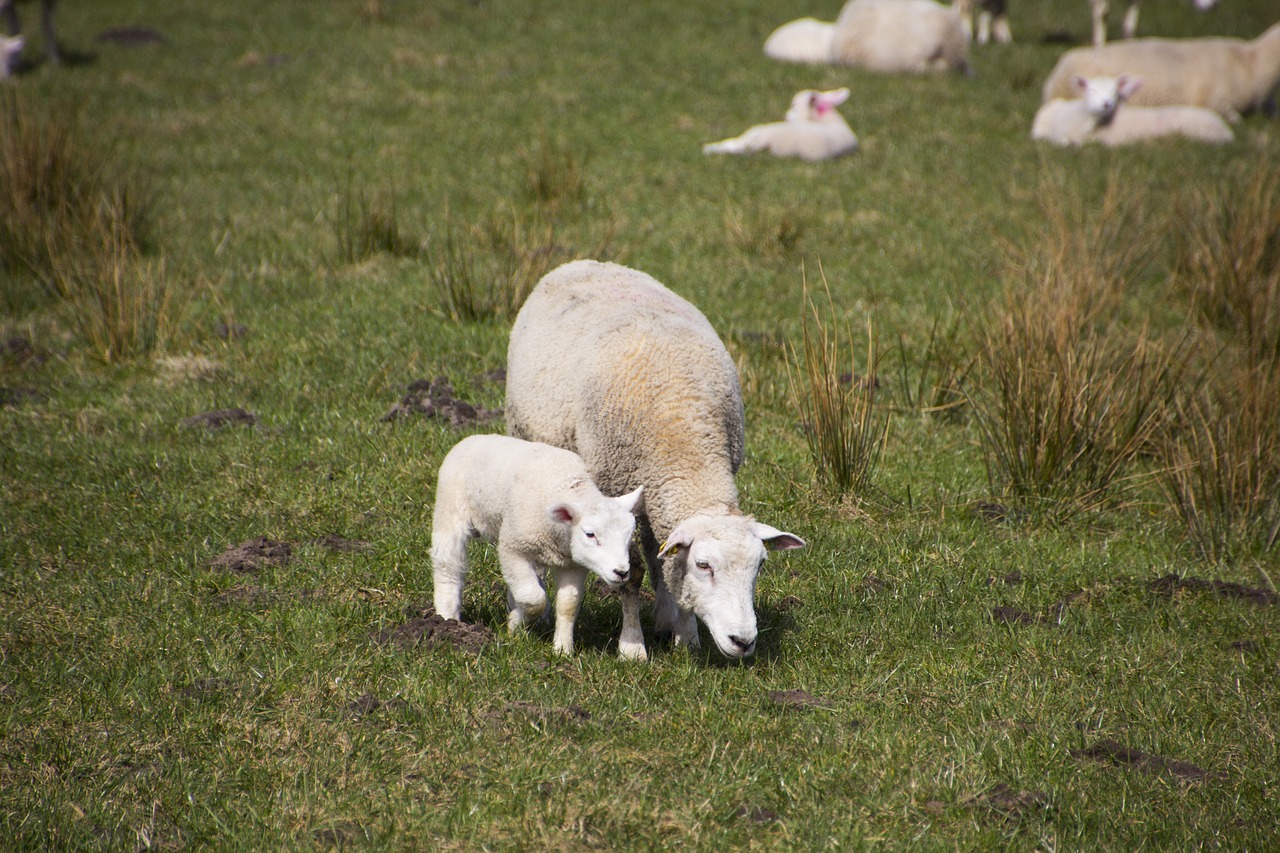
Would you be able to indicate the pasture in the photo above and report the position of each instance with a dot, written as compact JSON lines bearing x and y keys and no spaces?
{"x":1040,"y":615}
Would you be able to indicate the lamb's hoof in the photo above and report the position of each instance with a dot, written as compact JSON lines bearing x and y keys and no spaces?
{"x":633,"y":651}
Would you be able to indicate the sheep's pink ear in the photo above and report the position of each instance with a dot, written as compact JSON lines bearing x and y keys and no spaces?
{"x":1127,"y":85}
{"x":632,"y":501}
{"x":562,"y":513}
{"x":775,"y":539}
{"x":1079,"y":83}
{"x":681,"y":537}
{"x":833,"y":98}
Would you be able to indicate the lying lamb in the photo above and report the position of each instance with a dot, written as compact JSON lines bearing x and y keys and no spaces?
{"x":813,"y":130}
{"x":900,"y":36}
{"x":1229,"y":76}
{"x":1097,"y":116}
{"x":606,"y":361}
{"x":803,"y":40}
{"x":11,"y":47}
{"x":541,"y":508}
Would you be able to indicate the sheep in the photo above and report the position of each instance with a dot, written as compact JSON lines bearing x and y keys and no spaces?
{"x":813,"y":130}
{"x":605,"y":361}
{"x":11,"y":47}
{"x":1098,"y":116}
{"x":802,"y":40}
{"x":541,"y":508}
{"x":1099,"y":9}
{"x":993,"y":20}
{"x":1229,"y":76}
{"x":897,"y":36}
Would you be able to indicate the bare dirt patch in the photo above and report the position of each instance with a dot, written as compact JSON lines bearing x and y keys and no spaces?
{"x":434,"y":399}
{"x":220,"y":418}
{"x":1010,"y":804}
{"x":1170,"y":584}
{"x":798,"y":700}
{"x":342,"y":545}
{"x":567,"y":714}
{"x":253,"y":555}
{"x":367,"y":703}
{"x":1113,"y":752}
{"x":428,"y":629}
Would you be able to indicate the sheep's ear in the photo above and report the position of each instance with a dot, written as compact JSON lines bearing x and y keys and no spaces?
{"x":775,"y":539}
{"x":1126,"y":85}
{"x":835,"y":97}
{"x":681,"y":537}
{"x":632,"y":501}
{"x":562,"y":513}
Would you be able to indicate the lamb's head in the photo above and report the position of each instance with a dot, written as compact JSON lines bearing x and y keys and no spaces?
{"x":812,"y":105}
{"x":711,"y":572}
{"x":10,"y":50}
{"x":1102,"y":96}
{"x":600,"y":531}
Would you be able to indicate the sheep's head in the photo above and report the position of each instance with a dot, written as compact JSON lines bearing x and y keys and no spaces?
{"x":812,"y":105}
{"x":600,"y":533}
{"x":1102,"y":96}
{"x":711,"y":572}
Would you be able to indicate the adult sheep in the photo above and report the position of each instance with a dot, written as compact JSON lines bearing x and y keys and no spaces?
{"x":993,"y":18}
{"x":900,"y":36}
{"x":1230,"y":76}
{"x":607,"y":362}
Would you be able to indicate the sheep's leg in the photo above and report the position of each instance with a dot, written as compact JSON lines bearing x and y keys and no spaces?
{"x":631,"y":640}
{"x":526,"y":595}
{"x":50,"y":38}
{"x":571,"y":581}
{"x":984,"y":27}
{"x":964,"y":8}
{"x":1000,"y":21}
{"x":1099,"y":8}
{"x":449,"y":569}
{"x":1131,"y":19}
{"x":13,"y":26}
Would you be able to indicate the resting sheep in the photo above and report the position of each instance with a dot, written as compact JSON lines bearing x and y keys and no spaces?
{"x":543,"y":511}
{"x":803,"y":40}
{"x":606,"y":361}
{"x":813,"y":130}
{"x":1229,"y":76}
{"x":900,"y":36}
{"x":1098,"y":116}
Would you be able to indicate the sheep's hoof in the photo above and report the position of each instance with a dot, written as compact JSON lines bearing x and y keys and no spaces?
{"x":633,"y":651}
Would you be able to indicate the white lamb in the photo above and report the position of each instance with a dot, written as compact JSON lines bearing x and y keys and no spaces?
{"x":1229,"y":76}
{"x":606,"y":361}
{"x":813,"y":130}
{"x":900,"y":36}
{"x":1098,"y":116}
{"x":542,"y":509}
{"x":803,"y":40}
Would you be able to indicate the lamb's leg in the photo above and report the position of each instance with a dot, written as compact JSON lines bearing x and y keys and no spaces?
{"x":571,"y":581}
{"x":526,"y":595}
{"x":50,"y":38}
{"x":1099,"y":9}
{"x":1131,"y":20}
{"x":449,"y":568}
{"x":631,"y":640}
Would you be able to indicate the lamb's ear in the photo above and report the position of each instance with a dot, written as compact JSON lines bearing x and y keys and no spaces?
{"x":834,"y":97}
{"x":775,"y":539}
{"x":681,"y":537}
{"x":562,"y":513}
{"x":1079,"y":83}
{"x":633,"y":501}
{"x":1126,"y":85}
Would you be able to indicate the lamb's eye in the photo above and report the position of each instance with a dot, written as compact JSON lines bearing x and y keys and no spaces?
{"x":590,"y":534}
{"x":705,"y":565}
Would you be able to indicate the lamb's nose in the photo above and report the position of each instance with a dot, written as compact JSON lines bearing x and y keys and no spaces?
{"x":621,"y":574}
{"x":743,"y":644}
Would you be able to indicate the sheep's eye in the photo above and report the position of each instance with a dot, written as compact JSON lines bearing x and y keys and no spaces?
{"x":703,"y":564}
{"x":590,"y":534}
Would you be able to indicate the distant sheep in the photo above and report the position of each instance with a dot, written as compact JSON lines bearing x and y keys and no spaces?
{"x":1100,"y":115}
{"x":11,"y":47}
{"x":543,"y":511}
{"x":993,"y":19}
{"x":803,"y":40}
{"x":606,"y":361}
{"x":900,"y":36}
{"x":813,"y":130}
{"x":1227,"y":75}
{"x":1129,"y":27}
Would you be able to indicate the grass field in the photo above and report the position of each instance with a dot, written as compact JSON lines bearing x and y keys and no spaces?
{"x":312,"y":204}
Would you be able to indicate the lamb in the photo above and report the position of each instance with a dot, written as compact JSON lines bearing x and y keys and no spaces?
{"x":813,"y":131}
{"x":11,"y":47}
{"x":1097,"y":116}
{"x":543,"y":511}
{"x":900,"y":36}
{"x":802,"y":40}
{"x":1229,"y":76}
{"x":606,"y":361}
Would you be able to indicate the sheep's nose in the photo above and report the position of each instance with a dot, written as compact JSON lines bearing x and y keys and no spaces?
{"x":746,"y":645}
{"x":621,"y":574}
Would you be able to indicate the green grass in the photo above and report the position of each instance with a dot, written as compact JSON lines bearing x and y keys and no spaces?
{"x":951,"y":644}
